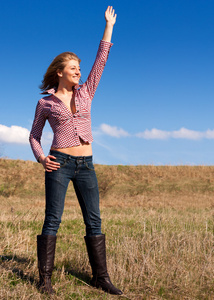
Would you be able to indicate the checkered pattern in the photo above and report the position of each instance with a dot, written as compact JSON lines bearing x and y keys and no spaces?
{"x":68,"y":128}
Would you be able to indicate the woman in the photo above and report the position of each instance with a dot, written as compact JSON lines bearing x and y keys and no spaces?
{"x":67,"y":108}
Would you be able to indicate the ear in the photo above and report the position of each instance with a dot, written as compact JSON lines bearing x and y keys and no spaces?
{"x":59,"y":73}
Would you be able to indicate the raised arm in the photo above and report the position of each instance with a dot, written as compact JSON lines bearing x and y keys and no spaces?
{"x":102,"y":54}
{"x":110,"y":17}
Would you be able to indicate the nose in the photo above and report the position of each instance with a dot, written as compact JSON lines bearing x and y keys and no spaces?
{"x":77,"y":71}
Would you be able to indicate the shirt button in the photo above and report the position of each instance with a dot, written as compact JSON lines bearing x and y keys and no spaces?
{"x":77,"y":110}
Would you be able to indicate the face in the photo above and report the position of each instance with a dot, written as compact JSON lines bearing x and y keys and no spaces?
{"x":71,"y":74}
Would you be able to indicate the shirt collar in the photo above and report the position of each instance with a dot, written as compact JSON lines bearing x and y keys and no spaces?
{"x":53,"y":91}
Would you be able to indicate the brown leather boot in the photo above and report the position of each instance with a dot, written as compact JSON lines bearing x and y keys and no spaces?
{"x":97,"y":257}
{"x":46,"y":245}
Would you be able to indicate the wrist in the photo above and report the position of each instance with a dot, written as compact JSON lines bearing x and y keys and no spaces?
{"x":109,"y":24}
{"x":41,"y":158}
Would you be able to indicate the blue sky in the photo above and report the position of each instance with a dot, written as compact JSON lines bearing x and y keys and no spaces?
{"x":155,"y":101}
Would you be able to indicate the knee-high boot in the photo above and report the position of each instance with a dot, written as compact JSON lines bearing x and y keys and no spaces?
{"x":46,"y":245}
{"x":97,"y":257}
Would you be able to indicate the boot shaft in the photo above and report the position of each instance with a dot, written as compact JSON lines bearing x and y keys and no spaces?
{"x":96,"y":248}
{"x":97,"y":257}
{"x":46,"y":245}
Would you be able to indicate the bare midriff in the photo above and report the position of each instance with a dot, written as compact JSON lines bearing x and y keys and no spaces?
{"x":84,"y":149}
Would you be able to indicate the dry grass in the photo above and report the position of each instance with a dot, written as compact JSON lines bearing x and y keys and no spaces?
{"x":158,"y":222}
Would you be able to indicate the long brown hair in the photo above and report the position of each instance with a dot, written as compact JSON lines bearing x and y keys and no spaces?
{"x":51,"y":79}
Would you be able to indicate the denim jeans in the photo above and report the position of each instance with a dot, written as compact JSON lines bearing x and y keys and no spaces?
{"x":79,"y":170}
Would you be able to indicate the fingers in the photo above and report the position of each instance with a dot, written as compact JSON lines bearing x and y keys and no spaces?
{"x":51,"y":156}
{"x":110,"y":14}
{"x":111,"y":10}
{"x":51,"y":162}
{"x":49,"y":165}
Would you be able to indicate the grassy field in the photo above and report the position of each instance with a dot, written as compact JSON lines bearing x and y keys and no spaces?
{"x":158,"y":221}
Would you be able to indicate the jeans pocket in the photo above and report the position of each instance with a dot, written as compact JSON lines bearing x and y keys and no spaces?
{"x":89,"y":165}
{"x":62,"y":161}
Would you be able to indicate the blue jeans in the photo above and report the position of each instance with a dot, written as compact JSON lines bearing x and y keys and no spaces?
{"x":79,"y":170}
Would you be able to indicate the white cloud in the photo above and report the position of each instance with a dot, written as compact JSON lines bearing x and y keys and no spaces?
{"x":154,"y":134}
{"x":209,"y":134}
{"x":113,"y":131}
{"x":14,"y":134}
{"x":182,"y":133}
{"x":20,"y":135}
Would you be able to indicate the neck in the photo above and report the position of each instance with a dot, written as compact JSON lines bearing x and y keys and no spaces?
{"x":65,"y":90}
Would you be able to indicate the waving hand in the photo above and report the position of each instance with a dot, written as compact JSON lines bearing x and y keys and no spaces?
{"x":110,"y":17}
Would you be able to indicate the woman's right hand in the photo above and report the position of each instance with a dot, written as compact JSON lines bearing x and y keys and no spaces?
{"x":48,"y":164}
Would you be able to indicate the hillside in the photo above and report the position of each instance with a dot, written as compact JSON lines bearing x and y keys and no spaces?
{"x":120,"y":185}
{"x":158,"y":221}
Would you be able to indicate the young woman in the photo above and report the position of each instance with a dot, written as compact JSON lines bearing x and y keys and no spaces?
{"x":67,"y":108}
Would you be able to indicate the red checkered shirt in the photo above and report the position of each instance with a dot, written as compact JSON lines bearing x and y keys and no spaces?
{"x":67,"y":127}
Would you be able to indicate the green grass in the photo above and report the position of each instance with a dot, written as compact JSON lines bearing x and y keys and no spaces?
{"x":165,"y":254}
{"x":159,"y":226}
